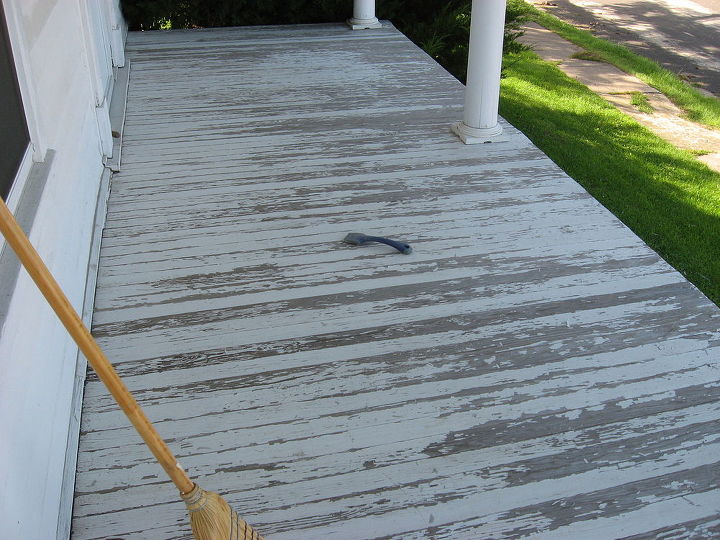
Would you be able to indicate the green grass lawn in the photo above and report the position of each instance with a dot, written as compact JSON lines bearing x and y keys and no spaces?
{"x":670,"y":200}
{"x":699,"y":108}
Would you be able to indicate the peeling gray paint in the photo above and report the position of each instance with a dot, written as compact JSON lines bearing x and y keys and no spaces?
{"x":531,"y":369}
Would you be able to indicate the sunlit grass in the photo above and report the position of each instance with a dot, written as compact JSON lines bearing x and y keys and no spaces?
{"x":587,"y":55}
{"x":671,"y":200}
{"x":699,"y":107}
{"x":641,"y":103}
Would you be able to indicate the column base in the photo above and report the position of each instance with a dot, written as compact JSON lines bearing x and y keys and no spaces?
{"x":364,"y":24}
{"x":470,"y":135}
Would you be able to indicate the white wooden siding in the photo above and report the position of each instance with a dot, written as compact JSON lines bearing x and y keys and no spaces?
{"x":54,"y":195}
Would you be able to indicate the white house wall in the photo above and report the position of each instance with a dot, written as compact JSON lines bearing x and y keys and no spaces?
{"x":37,"y":359}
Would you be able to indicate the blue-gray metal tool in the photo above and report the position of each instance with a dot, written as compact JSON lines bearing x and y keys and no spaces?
{"x":358,"y":239}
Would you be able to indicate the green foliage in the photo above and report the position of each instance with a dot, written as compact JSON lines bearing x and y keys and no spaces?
{"x":516,"y":14}
{"x":443,"y":34}
{"x":149,"y":14}
{"x":587,"y":55}
{"x":641,"y":103}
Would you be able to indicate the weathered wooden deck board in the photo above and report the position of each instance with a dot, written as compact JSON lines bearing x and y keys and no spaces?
{"x":531,"y":369}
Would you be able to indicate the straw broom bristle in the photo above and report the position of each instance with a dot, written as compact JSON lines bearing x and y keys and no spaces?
{"x":211,"y":518}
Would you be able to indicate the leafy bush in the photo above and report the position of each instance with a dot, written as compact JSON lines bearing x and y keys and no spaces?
{"x":154,"y":14}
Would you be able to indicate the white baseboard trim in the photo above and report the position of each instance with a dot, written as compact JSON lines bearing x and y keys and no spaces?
{"x":118,"y":106}
{"x":67,"y":494}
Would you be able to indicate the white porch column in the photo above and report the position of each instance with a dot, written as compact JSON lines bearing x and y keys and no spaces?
{"x":364,"y":15}
{"x":482,"y":92}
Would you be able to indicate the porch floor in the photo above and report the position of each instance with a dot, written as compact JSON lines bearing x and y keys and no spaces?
{"x":532,"y":368}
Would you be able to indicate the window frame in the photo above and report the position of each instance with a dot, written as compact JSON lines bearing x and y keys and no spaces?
{"x":19,"y":135}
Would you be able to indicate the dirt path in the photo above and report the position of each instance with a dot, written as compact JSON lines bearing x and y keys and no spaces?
{"x":681,"y":35}
{"x":618,"y":87}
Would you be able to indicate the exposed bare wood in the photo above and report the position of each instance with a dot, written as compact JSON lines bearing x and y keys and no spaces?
{"x":532,"y":367}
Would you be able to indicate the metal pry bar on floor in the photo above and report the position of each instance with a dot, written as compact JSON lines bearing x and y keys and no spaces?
{"x":358,"y":239}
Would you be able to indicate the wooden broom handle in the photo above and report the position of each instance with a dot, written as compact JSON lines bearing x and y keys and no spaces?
{"x":52,"y":292}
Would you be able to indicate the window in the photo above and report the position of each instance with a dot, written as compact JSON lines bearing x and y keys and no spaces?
{"x":14,"y":136}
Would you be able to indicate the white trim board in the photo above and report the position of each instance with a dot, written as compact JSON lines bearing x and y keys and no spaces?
{"x":23,"y":202}
{"x":118,"y":106}
{"x":21,"y":177}
{"x":26,"y":81}
{"x":68,"y":486}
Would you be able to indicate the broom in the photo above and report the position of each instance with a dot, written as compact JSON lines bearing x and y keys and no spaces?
{"x":211,"y":518}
